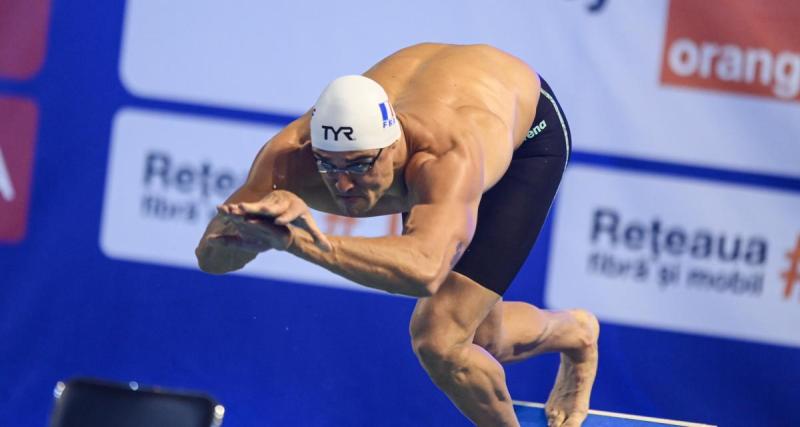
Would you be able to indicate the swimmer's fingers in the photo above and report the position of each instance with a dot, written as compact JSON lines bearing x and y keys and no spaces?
{"x":229,"y":210}
{"x":226,"y":214}
{"x":284,"y":205}
{"x":265,"y":208}
{"x":272,"y":205}
{"x":292,"y":212}
{"x":284,"y":208}
{"x":263,"y":230}
{"x":288,"y":209}
{"x":224,"y":210}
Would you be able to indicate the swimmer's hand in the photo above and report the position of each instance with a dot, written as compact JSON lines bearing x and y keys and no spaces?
{"x":235,"y":236}
{"x":273,"y":214}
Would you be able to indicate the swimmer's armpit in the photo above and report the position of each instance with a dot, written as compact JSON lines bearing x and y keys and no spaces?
{"x":460,"y":247}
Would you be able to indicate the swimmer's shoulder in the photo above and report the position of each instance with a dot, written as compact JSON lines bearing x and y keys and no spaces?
{"x":436,"y":127}
{"x":474,"y":137}
{"x":286,"y":161}
{"x":437,"y":134}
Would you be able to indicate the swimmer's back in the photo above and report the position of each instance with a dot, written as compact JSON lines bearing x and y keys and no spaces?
{"x":469,"y":76}
{"x":453,"y":94}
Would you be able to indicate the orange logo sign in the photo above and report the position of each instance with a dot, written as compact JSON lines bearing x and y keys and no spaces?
{"x":743,"y":46}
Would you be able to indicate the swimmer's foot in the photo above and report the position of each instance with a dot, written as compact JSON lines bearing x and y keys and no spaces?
{"x":568,"y":404}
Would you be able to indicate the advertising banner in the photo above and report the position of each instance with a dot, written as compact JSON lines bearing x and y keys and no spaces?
{"x":678,"y":254}
{"x":668,"y":81}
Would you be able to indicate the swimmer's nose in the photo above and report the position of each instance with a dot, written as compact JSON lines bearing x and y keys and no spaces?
{"x":344,"y":183}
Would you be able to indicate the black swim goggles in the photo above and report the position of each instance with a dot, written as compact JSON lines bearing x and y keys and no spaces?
{"x":352,"y":169}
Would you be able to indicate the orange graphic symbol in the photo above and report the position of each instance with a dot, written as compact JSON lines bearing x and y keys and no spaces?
{"x":792,"y":275}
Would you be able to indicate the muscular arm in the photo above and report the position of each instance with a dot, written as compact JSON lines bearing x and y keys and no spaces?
{"x":439,"y":228}
{"x":268,"y":171}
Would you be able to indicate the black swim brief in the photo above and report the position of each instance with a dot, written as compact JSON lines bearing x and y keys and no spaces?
{"x":512,"y":213}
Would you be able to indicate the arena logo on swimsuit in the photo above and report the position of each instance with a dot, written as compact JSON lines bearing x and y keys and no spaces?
{"x":703,"y":49}
{"x":536,"y":130}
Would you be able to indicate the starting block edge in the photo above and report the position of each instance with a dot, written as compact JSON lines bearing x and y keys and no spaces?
{"x":619,"y":415}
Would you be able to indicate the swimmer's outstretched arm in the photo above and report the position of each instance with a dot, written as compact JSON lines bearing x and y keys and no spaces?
{"x":439,"y":228}
{"x":223,"y":248}
{"x":414,"y":264}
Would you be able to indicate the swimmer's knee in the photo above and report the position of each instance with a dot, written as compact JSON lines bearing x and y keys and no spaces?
{"x":589,"y":329}
{"x":444,"y":361}
{"x":438,"y":349}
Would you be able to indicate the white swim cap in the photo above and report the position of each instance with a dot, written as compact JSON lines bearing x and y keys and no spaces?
{"x":353,"y":114}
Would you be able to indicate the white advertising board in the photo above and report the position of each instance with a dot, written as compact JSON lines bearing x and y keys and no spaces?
{"x":677,"y":254}
{"x":646,"y":79}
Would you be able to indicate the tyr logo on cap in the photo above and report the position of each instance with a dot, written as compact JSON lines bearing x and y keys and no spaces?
{"x":347,"y":131}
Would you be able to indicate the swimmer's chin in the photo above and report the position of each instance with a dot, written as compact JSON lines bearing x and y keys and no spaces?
{"x":355,"y":206}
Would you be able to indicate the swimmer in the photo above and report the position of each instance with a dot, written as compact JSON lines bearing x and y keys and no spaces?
{"x":469,"y":144}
